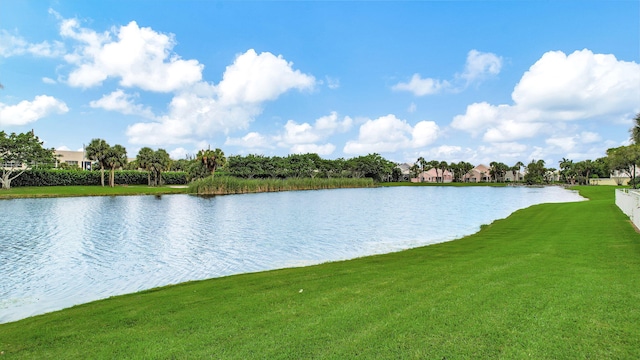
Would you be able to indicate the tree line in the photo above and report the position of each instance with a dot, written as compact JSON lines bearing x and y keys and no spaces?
{"x":310,"y":166}
{"x":19,"y":152}
{"x":536,"y":172}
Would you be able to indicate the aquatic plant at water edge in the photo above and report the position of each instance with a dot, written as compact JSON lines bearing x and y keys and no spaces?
{"x":222,"y":185}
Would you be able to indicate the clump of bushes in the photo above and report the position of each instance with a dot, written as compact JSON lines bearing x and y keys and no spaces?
{"x":57,"y":177}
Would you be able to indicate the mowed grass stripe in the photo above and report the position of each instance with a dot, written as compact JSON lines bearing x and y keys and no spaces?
{"x":550,"y":281}
{"x":89,"y":190}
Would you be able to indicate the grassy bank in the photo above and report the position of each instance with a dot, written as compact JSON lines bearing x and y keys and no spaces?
{"x":223,"y":185}
{"x":66,"y":191}
{"x":552,"y":281}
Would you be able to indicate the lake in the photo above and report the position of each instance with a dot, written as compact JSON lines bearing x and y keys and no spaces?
{"x":59,"y":252}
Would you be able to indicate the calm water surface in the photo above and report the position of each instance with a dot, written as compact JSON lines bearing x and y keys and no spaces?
{"x":55,"y":253}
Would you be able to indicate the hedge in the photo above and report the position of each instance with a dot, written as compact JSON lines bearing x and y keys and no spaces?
{"x":55,"y":177}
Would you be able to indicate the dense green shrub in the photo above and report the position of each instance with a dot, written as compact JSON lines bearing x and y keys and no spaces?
{"x":56,"y":177}
{"x":174,"y":178}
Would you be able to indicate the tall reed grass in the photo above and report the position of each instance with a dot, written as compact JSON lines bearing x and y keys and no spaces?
{"x":224,"y":185}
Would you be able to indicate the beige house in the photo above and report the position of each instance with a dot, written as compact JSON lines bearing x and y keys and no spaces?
{"x":405,"y":170}
{"x":509,"y":176}
{"x":480,"y":173}
{"x":72,"y":158}
{"x":434,"y":176}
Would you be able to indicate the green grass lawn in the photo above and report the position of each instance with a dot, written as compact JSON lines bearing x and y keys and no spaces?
{"x":62,"y":191}
{"x":554,"y":281}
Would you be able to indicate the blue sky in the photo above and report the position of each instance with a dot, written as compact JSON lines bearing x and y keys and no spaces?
{"x":475,"y":81}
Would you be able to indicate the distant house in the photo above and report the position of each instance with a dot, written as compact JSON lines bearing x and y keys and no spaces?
{"x":72,"y":158}
{"x":405,"y":170}
{"x":509,"y":176}
{"x":434,"y":176}
{"x":480,"y":173}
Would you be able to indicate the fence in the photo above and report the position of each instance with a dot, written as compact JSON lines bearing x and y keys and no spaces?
{"x":628,"y":201}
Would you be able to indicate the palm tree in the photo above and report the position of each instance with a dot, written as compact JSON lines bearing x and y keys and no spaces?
{"x":160,"y":162}
{"x":97,"y":151}
{"x":583,"y":169}
{"x":433,"y":164}
{"x":415,"y":170}
{"x":212,"y":159}
{"x":566,"y":170}
{"x":493,"y":171}
{"x":443,"y":165}
{"x":535,"y":172}
{"x":498,"y":170}
{"x":116,"y":157}
{"x":515,"y":169}
{"x":463,"y":168}
{"x":145,"y":158}
{"x":635,"y":130}
{"x":423,"y":165}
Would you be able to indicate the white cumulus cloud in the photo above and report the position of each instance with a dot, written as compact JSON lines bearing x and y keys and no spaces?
{"x":254,"y":78}
{"x":26,"y":112}
{"x":295,"y":133}
{"x":14,"y":45}
{"x":570,"y":143}
{"x":389,"y":134}
{"x":137,"y":56}
{"x":322,"y":150}
{"x":122,"y":102}
{"x":556,"y":89}
{"x":204,"y":109}
{"x":481,"y":65}
{"x":579,"y":85}
{"x":420,"y":87}
{"x":252,"y":140}
{"x":302,"y":138}
{"x":178,"y":153}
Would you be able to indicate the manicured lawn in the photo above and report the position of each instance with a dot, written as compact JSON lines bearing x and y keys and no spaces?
{"x":553,"y":281}
{"x":61,"y":191}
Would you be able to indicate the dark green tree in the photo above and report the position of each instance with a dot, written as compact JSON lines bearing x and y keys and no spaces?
{"x":373,"y":166}
{"x":460,"y":170}
{"x":212,"y":159}
{"x":19,"y":153}
{"x":443,"y":166}
{"x":498,"y":170}
{"x":144,"y":159}
{"x":535,"y":173}
{"x":160,"y":162}
{"x":635,"y":130}
{"x":515,"y":169}
{"x":97,"y":151}
{"x":625,"y":159}
{"x":567,"y":170}
{"x":115,"y":158}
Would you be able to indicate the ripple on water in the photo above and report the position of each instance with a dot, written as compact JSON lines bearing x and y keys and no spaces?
{"x":56,"y":253}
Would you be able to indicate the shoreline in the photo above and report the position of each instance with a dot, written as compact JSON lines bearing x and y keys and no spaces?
{"x":132,"y":190}
{"x":394,"y":249}
{"x":511,"y":290}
